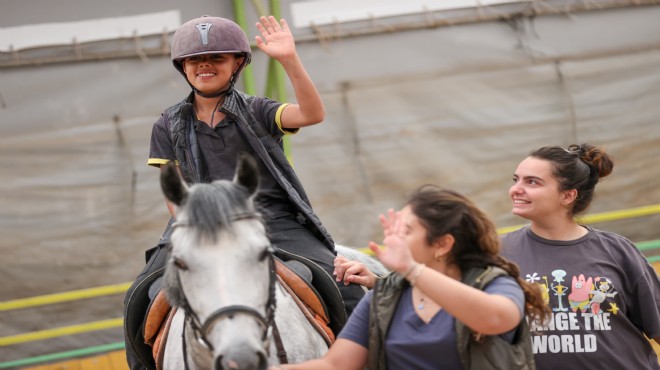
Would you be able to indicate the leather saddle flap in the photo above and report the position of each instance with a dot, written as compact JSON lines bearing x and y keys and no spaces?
{"x":302,"y":290}
{"x":326,"y":287}
{"x":156,"y":315}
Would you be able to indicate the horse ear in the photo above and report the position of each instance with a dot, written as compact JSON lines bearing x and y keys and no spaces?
{"x":174,"y":188}
{"x":247,"y":173}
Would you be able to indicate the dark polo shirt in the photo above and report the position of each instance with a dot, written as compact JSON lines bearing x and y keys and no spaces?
{"x":220,"y":147}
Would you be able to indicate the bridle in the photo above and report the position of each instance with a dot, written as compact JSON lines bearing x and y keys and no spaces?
{"x":200,"y":329}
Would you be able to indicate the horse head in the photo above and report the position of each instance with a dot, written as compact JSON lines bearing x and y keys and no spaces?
{"x":220,"y":270}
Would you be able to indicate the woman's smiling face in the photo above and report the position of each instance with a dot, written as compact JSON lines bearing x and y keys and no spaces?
{"x":535,"y":191}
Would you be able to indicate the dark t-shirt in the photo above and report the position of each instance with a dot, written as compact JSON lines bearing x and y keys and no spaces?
{"x":603,"y":294}
{"x":413,"y":344}
{"x":220,"y":147}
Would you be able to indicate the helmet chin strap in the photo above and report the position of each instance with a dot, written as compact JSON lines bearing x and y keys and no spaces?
{"x":216,"y":94}
{"x":213,"y":95}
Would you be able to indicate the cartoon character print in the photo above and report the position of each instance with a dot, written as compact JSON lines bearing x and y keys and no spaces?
{"x":580,"y":296}
{"x":545,"y":291}
{"x":559,"y":289}
{"x":586,"y":295}
{"x":603,"y":289}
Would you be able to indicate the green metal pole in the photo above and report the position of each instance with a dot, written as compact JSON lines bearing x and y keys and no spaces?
{"x":278,"y":78}
{"x":277,"y":69}
{"x":63,"y":355}
{"x":259,"y":8}
{"x":241,"y":20}
{"x":651,"y":244}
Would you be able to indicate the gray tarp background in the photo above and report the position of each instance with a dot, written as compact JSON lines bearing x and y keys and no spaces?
{"x":458,"y":106}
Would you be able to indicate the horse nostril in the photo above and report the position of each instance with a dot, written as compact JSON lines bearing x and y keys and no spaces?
{"x":221,"y":364}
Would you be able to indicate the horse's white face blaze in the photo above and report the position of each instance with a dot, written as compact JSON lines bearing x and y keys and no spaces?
{"x":234,"y":265}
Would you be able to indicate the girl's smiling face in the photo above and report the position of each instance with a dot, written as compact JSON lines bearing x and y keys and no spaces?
{"x":211,"y":72}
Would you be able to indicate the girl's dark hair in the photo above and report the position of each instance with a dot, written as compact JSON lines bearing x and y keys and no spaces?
{"x":442,"y":211}
{"x":579,"y":167}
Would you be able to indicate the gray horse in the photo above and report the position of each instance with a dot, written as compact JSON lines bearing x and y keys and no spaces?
{"x":233,"y":313}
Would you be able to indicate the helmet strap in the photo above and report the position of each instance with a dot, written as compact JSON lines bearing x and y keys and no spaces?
{"x":215,"y":94}
{"x":216,"y":109}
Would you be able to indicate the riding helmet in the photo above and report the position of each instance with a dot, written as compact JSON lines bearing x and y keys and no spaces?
{"x":209,"y":35}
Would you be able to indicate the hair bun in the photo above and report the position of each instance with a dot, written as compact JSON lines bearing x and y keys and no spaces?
{"x":595,"y":157}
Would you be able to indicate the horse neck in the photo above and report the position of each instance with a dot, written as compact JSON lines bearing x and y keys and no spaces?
{"x":299,"y":338}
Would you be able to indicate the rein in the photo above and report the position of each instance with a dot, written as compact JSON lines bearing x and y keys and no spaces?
{"x":200,"y":329}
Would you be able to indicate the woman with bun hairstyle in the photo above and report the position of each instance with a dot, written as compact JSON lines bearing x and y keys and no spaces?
{"x":604,"y":295}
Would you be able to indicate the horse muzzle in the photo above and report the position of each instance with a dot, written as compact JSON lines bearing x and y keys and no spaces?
{"x":241,"y":342}
{"x":242,"y":359}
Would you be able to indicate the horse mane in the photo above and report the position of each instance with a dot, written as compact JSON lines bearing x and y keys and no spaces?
{"x":208,"y":208}
{"x":212,"y":207}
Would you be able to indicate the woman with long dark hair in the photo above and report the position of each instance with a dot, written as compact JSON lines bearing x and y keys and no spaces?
{"x":451,"y":301}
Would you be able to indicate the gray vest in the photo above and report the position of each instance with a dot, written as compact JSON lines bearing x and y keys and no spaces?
{"x":489,"y":353}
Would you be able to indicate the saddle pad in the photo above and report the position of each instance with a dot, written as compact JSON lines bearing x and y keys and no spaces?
{"x":312,"y":317}
{"x":156,"y":314}
{"x":326,"y":286}
{"x":302,"y":290}
{"x":161,"y":340}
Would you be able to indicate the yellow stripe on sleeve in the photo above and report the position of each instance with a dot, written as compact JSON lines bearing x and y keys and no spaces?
{"x":157,"y":162}
{"x":278,"y":121}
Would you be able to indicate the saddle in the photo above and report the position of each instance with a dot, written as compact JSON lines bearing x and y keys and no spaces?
{"x":327,"y":317}
{"x":157,"y":326}
{"x":324,"y":286}
{"x":138,"y":301}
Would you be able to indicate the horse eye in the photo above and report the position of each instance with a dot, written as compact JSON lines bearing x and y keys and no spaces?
{"x":179,"y":264}
{"x":264,"y":254}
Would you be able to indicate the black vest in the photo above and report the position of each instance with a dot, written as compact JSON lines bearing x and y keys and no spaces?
{"x":237,"y":105}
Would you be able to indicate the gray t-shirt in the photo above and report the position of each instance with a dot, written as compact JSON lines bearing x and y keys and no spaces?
{"x":411,"y":343}
{"x":603,"y":294}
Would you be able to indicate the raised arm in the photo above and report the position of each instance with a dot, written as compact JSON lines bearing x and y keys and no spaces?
{"x":277,"y":42}
{"x":483,"y":312}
